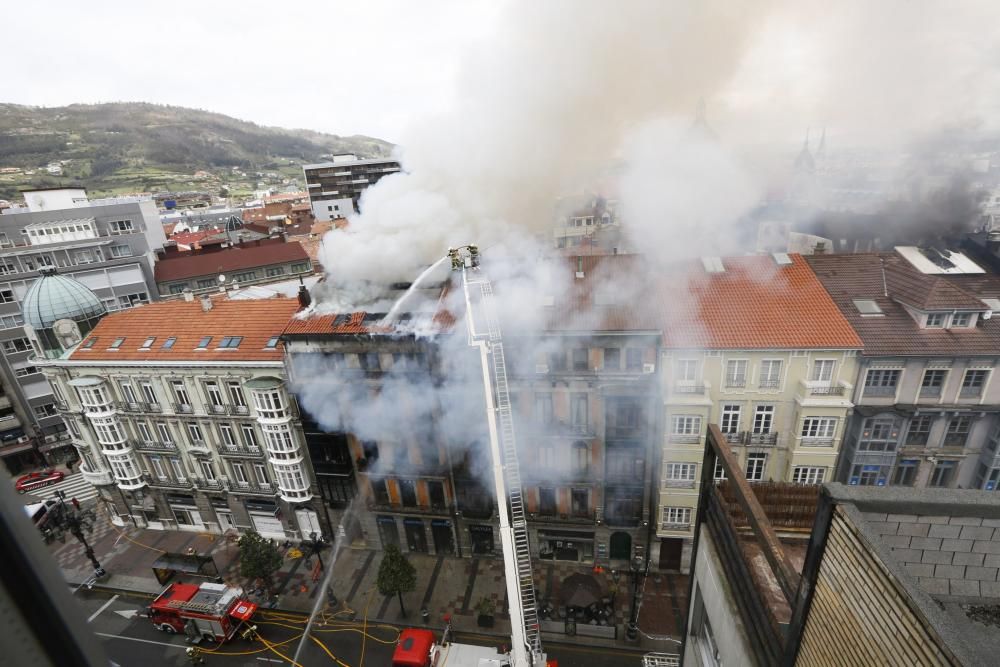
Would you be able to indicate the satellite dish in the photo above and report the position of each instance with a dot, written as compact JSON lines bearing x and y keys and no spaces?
{"x":222,"y":278}
{"x":68,"y":332}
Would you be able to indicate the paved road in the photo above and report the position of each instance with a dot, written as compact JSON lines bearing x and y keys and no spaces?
{"x":134,"y":642}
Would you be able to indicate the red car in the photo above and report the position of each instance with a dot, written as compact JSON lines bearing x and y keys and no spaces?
{"x":36,"y":480}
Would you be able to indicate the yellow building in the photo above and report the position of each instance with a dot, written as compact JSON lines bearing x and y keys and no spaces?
{"x":756,"y":345}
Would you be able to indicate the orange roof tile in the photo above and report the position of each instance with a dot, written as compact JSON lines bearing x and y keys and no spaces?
{"x":257,"y":321}
{"x":754,"y":303}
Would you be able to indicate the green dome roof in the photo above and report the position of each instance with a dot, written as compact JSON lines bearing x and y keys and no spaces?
{"x":53,"y":297}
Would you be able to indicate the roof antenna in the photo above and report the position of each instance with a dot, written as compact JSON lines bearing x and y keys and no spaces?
{"x":885,"y":286}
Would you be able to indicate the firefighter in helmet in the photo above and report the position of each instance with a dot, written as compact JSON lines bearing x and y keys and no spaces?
{"x":194,"y":655}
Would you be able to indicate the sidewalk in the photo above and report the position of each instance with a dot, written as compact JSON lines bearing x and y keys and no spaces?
{"x":445,"y":585}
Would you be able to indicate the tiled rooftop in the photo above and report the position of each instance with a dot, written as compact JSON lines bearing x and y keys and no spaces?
{"x":859,"y":276}
{"x":186,"y":321}
{"x":948,"y":555}
{"x":236,"y":258}
{"x":754,"y":303}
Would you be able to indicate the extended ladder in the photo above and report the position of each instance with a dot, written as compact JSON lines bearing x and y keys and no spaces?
{"x":526,"y":639}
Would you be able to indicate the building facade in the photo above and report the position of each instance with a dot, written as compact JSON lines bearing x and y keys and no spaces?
{"x":584,"y":398}
{"x":335,"y":187}
{"x":758,"y":347}
{"x":183,"y":421}
{"x":109,"y":246}
{"x":928,"y":407}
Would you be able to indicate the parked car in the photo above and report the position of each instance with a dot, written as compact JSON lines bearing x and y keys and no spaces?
{"x":39,"y":512}
{"x":36,"y":480}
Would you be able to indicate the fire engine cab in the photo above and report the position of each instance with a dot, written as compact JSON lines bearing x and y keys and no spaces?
{"x":208,"y":611}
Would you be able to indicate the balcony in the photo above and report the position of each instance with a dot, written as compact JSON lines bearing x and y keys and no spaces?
{"x":250,"y":488}
{"x":62,"y":406}
{"x":677,"y":439}
{"x":955,"y":440}
{"x":241,"y":452}
{"x":689,"y":388}
{"x":152,"y":446}
{"x":813,"y":393}
{"x":199,"y":444}
{"x":216,"y":409}
{"x":239,"y":410}
{"x":132,"y":484}
{"x":183,"y":409}
{"x":970,"y":392}
{"x":131,"y":406}
{"x":769,"y":384}
{"x":164,"y":483}
{"x":734,"y":437}
{"x":99,"y":478}
{"x":930,"y":392}
{"x":208,"y":484}
{"x":761,"y":439}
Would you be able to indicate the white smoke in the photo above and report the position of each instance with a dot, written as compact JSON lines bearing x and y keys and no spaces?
{"x":565,"y":91}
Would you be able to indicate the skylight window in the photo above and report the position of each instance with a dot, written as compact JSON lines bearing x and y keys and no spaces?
{"x":169,"y":343}
{"x":117,"y":343}
{"x":148,"y":343}
{"x":230,"y":342}
{"x":204,"y":343}
{"x":272,"y":343}
{"x":89,"y":343}
{"x":867,"y":307}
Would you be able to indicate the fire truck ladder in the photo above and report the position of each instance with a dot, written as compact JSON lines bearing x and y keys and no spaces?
{"x":526,"y":640}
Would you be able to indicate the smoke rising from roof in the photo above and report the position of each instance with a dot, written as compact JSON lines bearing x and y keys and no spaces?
{"x":565,"y":89}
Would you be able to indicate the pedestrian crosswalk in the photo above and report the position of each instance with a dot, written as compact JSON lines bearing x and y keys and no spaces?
{"x":74,"y":486}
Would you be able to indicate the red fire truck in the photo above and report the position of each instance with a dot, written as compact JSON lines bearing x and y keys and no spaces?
{"x":417,"y":648}
{"x":207,"y":611}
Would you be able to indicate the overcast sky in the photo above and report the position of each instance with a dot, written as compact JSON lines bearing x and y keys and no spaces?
{"x":360,"y":67}
{"x":373,"y":66}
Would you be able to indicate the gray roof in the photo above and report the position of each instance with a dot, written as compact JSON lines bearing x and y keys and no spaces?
{"x":943,"y":546}
{"x":53,"y":297}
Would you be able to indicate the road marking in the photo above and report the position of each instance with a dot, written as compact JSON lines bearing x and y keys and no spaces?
{"x":272,"y":660}
{"x":136,"y":639}
{"x":103,"y":607}
{"x":128,"y":613}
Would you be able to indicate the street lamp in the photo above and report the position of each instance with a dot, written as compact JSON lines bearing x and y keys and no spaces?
{"x":315,"y":544}
{"x":64,"y":519}
{"x":637,"y":569}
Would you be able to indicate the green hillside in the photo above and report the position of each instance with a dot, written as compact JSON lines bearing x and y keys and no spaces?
{"x":135,"y":147}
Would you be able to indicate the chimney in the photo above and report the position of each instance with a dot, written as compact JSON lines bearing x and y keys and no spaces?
{"x":188,"y":295}
{"x":304,"y":298}
{"x":206,"y":304}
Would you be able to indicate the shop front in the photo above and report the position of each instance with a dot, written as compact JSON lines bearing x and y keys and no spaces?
{"x":481,"y":536}
{"x":265,"y":518}
{"x":185,"y":512}
{"x":566,"y":545}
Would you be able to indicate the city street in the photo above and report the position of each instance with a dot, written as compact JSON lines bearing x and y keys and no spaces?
{"x":133,"y":641}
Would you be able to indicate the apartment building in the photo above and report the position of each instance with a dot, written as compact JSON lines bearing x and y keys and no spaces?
{"x":335,"y":187}
{"x":210,"y":267}
{"x":791,"y":574}
{"x":109,"y":246}
{"x":584,"y":399}
{"x":585,"y":396}
{"x":756,"y":345}
{"x":183,"y":421}
{"x":928,"y":407}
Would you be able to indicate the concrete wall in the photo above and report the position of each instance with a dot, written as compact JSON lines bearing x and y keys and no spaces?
{"x":712,"y":596}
